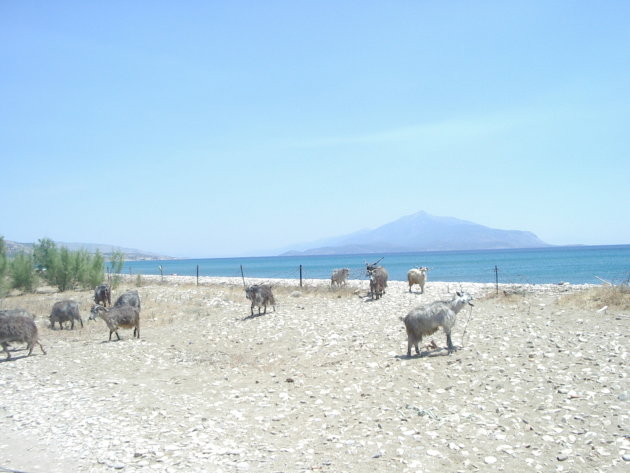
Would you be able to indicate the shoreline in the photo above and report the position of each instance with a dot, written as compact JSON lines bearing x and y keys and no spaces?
{"x":359,"y":284}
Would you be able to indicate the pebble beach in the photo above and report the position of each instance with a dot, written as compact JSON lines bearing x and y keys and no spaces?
{"x":539,"y":383}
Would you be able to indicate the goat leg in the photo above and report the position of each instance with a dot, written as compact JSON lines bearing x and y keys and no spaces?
{"x":5,"y":348}
{"x":449,"y":343}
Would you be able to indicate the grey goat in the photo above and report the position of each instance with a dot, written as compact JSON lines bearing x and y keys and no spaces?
{"x":103,"y":295}
{"x":131,"y":298}
{"x":16,"y":327}
{"x":378,"y":280}
{"x":426,"y":320}
{"x":63,"y":311}
{"x":125,"y":316}
{"x":260,"y":295}
{"x":22,"y":312}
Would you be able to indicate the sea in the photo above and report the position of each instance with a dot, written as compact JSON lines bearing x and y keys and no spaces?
{"x":549,"y":265}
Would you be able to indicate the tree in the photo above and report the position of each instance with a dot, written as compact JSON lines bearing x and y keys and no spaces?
{"x":23,"y":272}
{"x":96,"y":269}
{"x":44,"y":254}
{"x":63,"y":275}
{"x":68,"y":269}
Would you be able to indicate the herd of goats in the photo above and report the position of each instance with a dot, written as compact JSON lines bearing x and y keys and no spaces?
{"x":18,"y":325}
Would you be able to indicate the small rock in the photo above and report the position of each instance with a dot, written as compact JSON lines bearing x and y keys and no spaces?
{"x":623,"y":396}
{"x":562,"y":458}
{"x":490,"y":460}
{"x":626,"y":457}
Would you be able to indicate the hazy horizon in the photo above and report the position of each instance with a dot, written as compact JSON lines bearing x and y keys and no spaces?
{"x":213,"y":129}
{"x":297,"y":246}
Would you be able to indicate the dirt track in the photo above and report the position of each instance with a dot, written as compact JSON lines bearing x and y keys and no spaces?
{"x":321,"y":384}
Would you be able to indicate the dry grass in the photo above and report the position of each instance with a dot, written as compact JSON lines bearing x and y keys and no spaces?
{"x":614,"y":297}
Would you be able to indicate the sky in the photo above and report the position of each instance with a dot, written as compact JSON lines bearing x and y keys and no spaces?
{"x":230,"y":128}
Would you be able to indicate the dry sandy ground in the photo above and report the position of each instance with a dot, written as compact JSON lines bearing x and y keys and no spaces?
{"x":321,"y":384}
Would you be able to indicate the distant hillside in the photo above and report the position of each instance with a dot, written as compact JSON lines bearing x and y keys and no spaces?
{"x":106,"y":250}
{"x":421,"y":232}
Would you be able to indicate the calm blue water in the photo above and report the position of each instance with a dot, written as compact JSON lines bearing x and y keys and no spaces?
{"x":577,"y":265}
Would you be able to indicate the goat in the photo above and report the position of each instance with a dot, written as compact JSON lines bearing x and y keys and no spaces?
{"x":426,"y":320}
{"x":15,"y":326}
{"x":417,"y":276}
{"x":131,"y":298}
{"x":22,"y":312}
{"x":260,"y":295}
{"x":378,"y":279}
{"x":339,"y":277}
{"x":125,"y":316}
{"x":63,"y":311}
{"x":103,"y":295}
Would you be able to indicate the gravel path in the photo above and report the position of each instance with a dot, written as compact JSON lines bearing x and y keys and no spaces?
{"x":321,"y":384}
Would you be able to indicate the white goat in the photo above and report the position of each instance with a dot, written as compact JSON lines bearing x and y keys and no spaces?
{"x":426,"y":320}
{"x":339,"y":277}
{"x":417,"y":276}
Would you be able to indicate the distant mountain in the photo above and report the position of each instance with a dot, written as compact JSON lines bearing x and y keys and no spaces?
{"x":421,"y":232}
{"x":106,"y":250}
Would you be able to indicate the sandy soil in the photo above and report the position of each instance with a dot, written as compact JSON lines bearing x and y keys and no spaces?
{"x":321,"y":384}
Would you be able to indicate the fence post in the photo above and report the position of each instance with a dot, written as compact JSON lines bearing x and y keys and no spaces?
{"x":300,"y":275}
{"x":197,"y":275}
{"x":242,"y":276}
{"x":496,"y":277}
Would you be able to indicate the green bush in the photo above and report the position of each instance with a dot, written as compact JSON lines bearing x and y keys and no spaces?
{"x":95,"y":270}
{"x":23,"y":272}
{"x":67,"y":269}
{"x":45,"y":255}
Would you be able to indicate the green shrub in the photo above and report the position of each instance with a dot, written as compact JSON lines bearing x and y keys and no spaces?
{"x":23,"y":272}
{"x":45,"y":256}
{"x":68,"y":269}
{"x":95,"y":270}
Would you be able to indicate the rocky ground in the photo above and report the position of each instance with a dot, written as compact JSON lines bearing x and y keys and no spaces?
{"x":539,"y":383}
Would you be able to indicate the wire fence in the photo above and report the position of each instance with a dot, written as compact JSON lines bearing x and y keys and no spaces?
{"x":486,"y":273}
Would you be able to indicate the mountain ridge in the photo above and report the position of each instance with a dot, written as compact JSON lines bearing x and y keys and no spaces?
{"x":131,"y":254}
{"x":421,"y":232}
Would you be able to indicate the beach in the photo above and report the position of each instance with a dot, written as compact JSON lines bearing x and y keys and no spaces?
{"x":539,"y":383}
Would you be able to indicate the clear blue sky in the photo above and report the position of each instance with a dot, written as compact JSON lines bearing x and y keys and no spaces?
{"x":216,"y":128}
